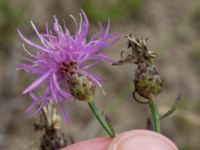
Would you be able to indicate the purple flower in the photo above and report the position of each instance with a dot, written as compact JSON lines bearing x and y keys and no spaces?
{"x":62,"y":59}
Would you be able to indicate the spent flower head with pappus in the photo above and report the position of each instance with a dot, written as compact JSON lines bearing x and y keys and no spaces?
{"x":63,"y":61}
{"x":148,"y":83}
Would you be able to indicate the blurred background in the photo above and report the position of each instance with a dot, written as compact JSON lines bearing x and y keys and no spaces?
{"x":173,"y":29}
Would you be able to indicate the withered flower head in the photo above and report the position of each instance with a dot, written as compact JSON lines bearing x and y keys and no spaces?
{"x":148,"y":82}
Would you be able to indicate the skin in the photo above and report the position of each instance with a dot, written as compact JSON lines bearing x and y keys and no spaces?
{"x":130,"y":140}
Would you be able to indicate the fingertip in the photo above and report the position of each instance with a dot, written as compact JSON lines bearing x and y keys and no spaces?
{"x":141,"y":140}
{"x":100,"y":143}
{"x":130,"y":140}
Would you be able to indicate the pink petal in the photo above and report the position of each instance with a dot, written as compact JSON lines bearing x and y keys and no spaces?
{"x":37,"y":82}
{"x":32,"y":43}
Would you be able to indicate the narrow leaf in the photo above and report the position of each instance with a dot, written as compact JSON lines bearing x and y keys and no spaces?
{"x":173,"y":108}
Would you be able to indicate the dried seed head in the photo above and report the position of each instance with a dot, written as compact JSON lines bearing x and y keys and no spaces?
{"x":148,"y":82}
{"x":49,"y":118}
{"x":52,"y":137}
{"x":53,"y":141}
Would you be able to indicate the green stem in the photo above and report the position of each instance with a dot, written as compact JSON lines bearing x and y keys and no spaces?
{"x":101,"y":119}
{"x":155,"y":115}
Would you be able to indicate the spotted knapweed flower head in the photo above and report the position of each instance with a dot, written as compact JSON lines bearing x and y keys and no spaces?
{"x":63,"y":61}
